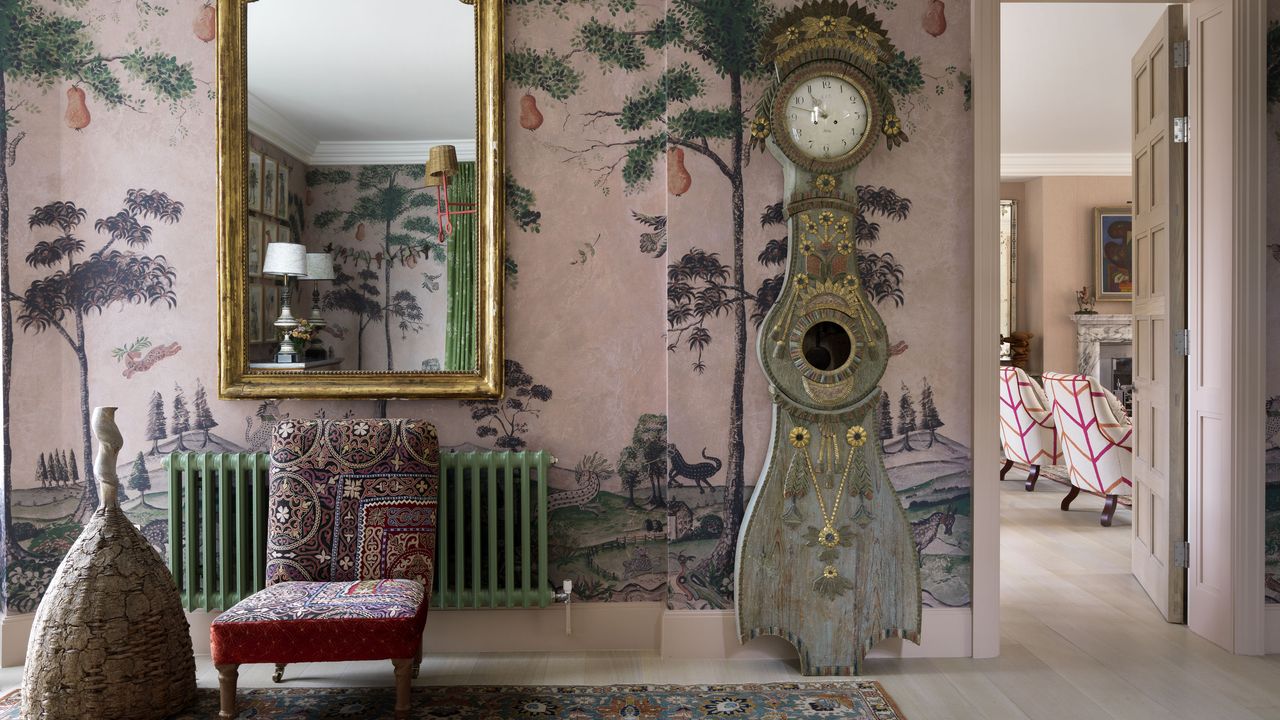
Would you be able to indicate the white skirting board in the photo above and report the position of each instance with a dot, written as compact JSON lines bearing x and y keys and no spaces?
{"x":646,"y":626}
{"x":1272,"y":611}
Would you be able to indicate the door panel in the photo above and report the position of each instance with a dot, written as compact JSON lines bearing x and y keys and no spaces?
{"x":1211,"y":238}
{"x":1159,"y":183}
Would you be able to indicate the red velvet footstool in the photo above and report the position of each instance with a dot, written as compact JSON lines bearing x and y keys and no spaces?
{"x":351,"y":552}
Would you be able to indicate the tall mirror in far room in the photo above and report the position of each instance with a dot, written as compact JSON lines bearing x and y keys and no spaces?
{"x":361,"y":235}
{"x":1008,"y":275}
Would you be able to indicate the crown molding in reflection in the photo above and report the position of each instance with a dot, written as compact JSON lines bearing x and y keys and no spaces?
{"x":271,"y":126}
{"x":385,"y":152}
{"x":1021,"y":166}
{"x":274,"y":128}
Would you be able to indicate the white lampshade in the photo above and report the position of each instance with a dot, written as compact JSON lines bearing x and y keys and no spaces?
{"x":289,"y":259}
{"x":319,"y":266}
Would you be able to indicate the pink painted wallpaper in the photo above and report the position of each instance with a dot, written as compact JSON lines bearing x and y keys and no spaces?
{"x":643,"y":249}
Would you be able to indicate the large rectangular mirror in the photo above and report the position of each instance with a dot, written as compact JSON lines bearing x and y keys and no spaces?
{"x":360,"y":243}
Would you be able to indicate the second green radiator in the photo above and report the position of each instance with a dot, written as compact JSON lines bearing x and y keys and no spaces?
{"x":491,"y":545}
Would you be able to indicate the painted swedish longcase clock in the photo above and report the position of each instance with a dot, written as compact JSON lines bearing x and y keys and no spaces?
{"x":826,"y":556}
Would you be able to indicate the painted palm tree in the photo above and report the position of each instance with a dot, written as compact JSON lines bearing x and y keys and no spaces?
{"x":41,"y":46}
{"x":391,"y":198}
{"x":81,"y":286}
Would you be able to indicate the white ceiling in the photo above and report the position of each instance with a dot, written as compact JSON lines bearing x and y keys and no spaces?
{"x":1064,"y":71}
{"x":363,"y":71}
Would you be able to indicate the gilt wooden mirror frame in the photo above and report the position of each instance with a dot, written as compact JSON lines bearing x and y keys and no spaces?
{"x":236,"y":378}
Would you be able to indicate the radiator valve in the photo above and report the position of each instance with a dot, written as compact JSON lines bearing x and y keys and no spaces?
{"x":565,"y":595}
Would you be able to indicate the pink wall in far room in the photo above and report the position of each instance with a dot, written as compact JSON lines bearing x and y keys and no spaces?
{"x":1055,"y":259}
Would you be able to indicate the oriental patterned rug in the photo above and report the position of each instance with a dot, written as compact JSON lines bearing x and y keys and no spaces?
{"x":852,"y":700}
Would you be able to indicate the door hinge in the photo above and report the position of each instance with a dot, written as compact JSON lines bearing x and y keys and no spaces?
{"x":1182,"y":554}
{"x":1181,"y":129}
{"x":1182,"y":342}
{"x":1181,"y":55}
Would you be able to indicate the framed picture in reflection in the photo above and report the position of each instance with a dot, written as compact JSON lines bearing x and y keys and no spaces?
{"x":254,"y":181}
{"x":253,"y":248}
{"x":282,"y":192}
{"x":268,"y":234}
{"x":269,"y":186}
{"x":270,"y":311}
{"x":254,"y":309}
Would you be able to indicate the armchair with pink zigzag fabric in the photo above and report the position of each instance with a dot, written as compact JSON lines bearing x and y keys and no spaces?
{"x":1096,"y":438}
{"x":1027,"y":432}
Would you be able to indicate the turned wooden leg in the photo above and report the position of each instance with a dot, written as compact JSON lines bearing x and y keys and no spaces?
{"x":417,"y":661}
{"x":1032,"y":477}
{"x":404,"y":681}
{"x":227,"y":676}
{"x":1066,"y":501}
{"x":278,"y":675}
{"x":1005,"y":470}
{"x":1109,"y":510}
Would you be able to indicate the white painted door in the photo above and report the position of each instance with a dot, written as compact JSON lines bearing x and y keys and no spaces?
{"x":1158,"y":90}
{"x":1210,"y":247}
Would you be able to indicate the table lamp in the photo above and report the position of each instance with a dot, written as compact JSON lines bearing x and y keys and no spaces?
{"x":288,"y":260}
{"x":319,"y":268}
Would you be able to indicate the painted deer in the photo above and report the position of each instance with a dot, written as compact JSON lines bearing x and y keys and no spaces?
{"x":699,"y":473}
{"x":926,"y":531}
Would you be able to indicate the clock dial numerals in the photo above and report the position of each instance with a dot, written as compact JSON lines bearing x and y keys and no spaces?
{"x":827,"y":117}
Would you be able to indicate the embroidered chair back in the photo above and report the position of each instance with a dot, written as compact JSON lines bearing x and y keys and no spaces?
{"x":1094,"y":433}
{"x":1027,"y":432}
{"x":352,"y":500}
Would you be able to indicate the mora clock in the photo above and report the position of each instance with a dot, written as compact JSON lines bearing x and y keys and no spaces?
{"x":826,"y":556}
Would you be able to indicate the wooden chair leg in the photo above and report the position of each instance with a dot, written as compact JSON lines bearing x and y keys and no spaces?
{"x":417,"y":661}
{"x":1005,"y":470}
{"x":1032,"y":477}
{"x":404,"y":682}
{"x":227,"y":677}
{"x":278,"y":675}
{"x":1066,"y":501}
{"x":1109,"y":510}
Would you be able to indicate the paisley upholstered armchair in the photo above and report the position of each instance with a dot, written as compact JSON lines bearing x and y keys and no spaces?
{"x":1096,"y":438}
{"x":1027,"y":432}
{"x":351,"y":553}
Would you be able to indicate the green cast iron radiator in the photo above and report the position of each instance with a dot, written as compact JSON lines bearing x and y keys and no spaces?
{"x":491,"y":542}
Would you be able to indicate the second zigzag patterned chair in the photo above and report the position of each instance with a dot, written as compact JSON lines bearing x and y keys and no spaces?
{"x":1096,"y":440}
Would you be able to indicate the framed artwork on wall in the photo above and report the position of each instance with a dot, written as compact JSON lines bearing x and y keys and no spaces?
{"x":269,"y":186}
{"x":1113,"y":253}
{"x":253,"y":248}
{"x":268,"y":234}
{"x":254,"y":181}
{"x":283,"y":233}
{"x":254,"y":309}
{"x":282,"y":192}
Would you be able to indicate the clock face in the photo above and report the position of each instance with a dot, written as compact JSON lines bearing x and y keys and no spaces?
{"x":826,"y":117}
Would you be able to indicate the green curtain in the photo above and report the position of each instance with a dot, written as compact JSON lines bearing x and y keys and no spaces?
{"x":460,"y":326}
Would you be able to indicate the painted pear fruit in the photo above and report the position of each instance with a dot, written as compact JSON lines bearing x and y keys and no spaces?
{"x":360,"y":232}
{"x":205,"y":26}
{"x":935,"y":18}
{"x":530,"y":116}
{"x":678,"y":177}
{"x":77,"y":116}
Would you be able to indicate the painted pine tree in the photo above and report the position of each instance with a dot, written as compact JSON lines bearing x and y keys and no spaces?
{"x":40,"y":47}
{"x":906,"y":417}
{"x":929,"y":419}
{"x":156,"y":422}
{"x":72,"y":466}
{"x":180,"y":423}
{"x":203,"y":415}
{"x":886,"y":418}
{"x":140,"y":479}
{"x":42,"y":471}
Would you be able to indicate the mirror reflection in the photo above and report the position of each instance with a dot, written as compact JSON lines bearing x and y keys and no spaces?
{"x":361,"y":235}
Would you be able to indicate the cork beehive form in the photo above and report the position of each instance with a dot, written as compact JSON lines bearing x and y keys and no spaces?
{"x":110,"y":639}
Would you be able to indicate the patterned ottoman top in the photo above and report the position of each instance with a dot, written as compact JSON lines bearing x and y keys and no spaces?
{"x":374,"y":599}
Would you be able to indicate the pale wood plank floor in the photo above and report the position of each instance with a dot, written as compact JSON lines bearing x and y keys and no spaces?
{"x":1080,"y":640}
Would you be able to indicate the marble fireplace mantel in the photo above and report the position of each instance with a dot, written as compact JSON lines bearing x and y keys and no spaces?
{"x":1095,"y":330}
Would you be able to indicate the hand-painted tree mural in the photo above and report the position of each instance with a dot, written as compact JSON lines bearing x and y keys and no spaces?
{"x":391,"y":199}
{"x":506,"y":419}
{"x":645,"y":459}
{"x":41,"y":48}
{"x":81,"y":286}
